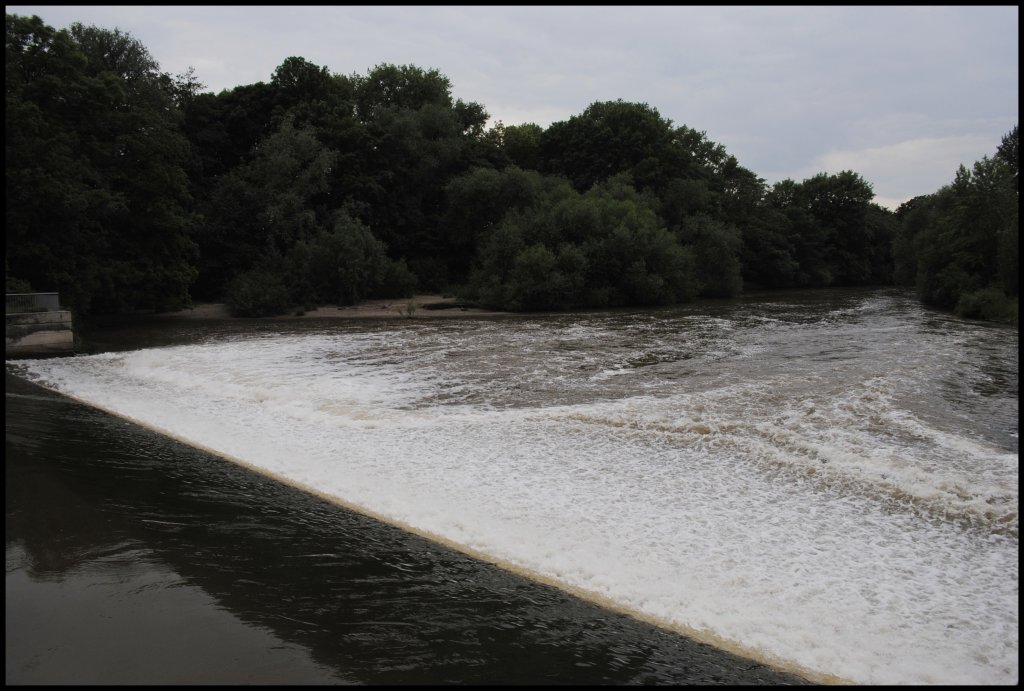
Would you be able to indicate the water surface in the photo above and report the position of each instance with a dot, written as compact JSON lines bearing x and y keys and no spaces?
{"x":824,"y":481}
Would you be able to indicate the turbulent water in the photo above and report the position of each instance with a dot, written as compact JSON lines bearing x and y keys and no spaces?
{"x":829,"y":484}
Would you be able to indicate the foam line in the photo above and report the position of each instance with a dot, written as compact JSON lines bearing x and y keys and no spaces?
{"x":702,"y":636}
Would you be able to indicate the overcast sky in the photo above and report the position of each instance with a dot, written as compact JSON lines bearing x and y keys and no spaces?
{"x":901,"y":95}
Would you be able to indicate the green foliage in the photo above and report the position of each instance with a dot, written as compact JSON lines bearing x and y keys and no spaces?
{"x":609,"y":138}
{"x":1009,"y":153}
{"x":263,"y":207}
{"x":475,"y":202}
{"x":356,"y":260}
{"x":396,"y":280}
{"x":258,"y":292}
{"x":990,"y":304}
{"x":881,"y":228}
{"x":1008,"y":243}
{"x":300,"y":79}
{"x":17,"y":285}
{"x":768,"y":255}
{"x":521,"y":143}
{"x":345,"y":265}
{"x":535,"y":282}
{"x":835,"y":234}
{"x":605,"y":248}
{"x":400,"y":87}
{"x":838,"y":204}
{"x":415,"y":139}
{"x":913,"y":217}
{"x":98,"y":201}
{"x":959,"y":246}
{"x":716,"y":247}
{"x":128,"y":188}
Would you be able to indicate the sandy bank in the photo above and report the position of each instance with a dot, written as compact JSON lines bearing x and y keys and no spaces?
{"x":394,"y":309}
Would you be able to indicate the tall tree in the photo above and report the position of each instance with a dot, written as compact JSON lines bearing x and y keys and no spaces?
{"x":563,"y":249}
{"x":404,"y":87}
{"x":609,"y":138}
{"x":477,"y":201}
{"x":98,"y":203}
{"x":418,"y":138}
{"x":521,"y":143}
{"x":960,"y":245}
{"x":1009,"y":153}
{"x":260,"y":209}
{"x":830,"y":233}
{"x":716,"y":247}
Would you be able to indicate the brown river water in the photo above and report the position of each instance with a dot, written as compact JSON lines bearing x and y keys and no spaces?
{"x":780,"y":488}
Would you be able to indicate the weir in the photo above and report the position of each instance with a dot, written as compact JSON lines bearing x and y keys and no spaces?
{"x":36,"y":325}
{"x":777,"y":478}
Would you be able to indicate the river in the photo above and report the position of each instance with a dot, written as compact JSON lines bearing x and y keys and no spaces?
{"x":804,"y":485}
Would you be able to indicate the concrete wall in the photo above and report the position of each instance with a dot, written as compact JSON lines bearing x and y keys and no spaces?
{"x":39,"y":333}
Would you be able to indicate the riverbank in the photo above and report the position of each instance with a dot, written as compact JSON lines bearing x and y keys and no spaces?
{"x":417,"y":307}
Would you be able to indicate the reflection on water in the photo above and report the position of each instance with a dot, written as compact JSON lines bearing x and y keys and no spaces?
{"x":135,"y":559}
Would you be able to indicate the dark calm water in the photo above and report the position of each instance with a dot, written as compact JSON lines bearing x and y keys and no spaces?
{"x":784,"y":474}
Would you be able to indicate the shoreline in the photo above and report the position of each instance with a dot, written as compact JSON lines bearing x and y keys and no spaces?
{"x":397,"y":308}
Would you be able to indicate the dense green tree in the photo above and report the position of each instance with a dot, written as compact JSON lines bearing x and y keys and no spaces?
{"x":418,"y":138}
{"x":401,"y":87}
{"x":609,"y":138}
{"x":741,"y":193}
{"x":716,"y":248}
{"x":246,"y":113}
{"x":604,"y":248}
{"x":1009,"y":153}
{"x":634,"y":260}
{"x":913,"y":217}
{"x":838,"y":204}
{"x":804,"y":236}
{"x":683,"y":198}
{"x":258,"y":292}
{"x":881,"y":228}
{"x":98,"y":202}
{"x":259,"y":210}
{"x":203,"y":123}
{"x":345,"y":265}
{"x":474,"y":203}
{"x":128,"y":188}
{"x":299,"y":80}
{"x":342,"y":264}
{"x":768,"y":256}
{"x":228,"y":127}
{"x":521,"y":143}
{"x":960,"y":245}
{"x":835,"y":234}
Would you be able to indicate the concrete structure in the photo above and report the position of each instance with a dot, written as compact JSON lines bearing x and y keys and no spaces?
{"x":36,"y":327}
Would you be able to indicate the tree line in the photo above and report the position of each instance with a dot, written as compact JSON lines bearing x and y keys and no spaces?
{"x":131,"y":189}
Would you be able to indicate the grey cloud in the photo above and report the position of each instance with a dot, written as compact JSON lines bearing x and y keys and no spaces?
{"x":782,"y":88}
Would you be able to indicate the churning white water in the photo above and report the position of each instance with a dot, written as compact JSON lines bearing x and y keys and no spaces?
{"x":831,"y":490}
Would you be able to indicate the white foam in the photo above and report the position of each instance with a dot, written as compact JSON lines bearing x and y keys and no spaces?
{"x":804,"y":523}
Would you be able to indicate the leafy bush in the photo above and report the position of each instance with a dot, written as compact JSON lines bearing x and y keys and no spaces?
{"x":990,"y":304}
{"x":17,"y":285}
{"x":396,"y":280}
{"x":257,"y":293}
{"x":605,"y":248}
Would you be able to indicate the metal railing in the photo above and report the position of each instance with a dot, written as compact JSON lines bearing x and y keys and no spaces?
{"x":18,"y":303}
